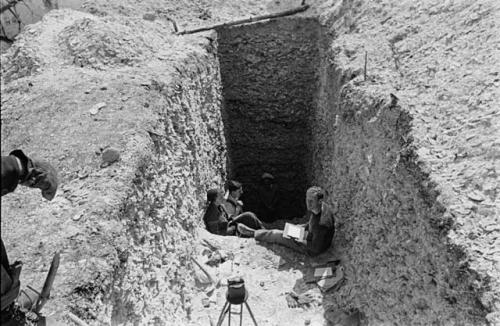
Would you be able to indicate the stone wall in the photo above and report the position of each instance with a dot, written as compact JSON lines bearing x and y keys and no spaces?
{"x":269,"y":78}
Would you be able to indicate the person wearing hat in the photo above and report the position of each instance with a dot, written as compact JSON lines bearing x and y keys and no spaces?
{"x":320,"y":228}
{"x":267,"y":198}
{"x":17,"y":168}
{"x":218,"y":221}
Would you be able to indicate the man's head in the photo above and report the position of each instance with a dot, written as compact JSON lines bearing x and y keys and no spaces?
{"x":314,"y":199}
{"x":215,"y":196}
{"x":267,"y":179}
{"x":235,"y":189}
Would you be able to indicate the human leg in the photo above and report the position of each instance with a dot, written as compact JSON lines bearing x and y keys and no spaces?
{"x":276,"y":236}
{"x":249,"y":219}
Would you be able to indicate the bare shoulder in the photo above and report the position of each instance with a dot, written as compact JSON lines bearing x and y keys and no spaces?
{"x":330,"y":209}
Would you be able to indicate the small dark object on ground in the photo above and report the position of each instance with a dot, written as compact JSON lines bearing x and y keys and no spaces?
{"x":109,"y":156}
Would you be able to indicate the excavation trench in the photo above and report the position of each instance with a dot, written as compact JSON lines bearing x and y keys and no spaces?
{"x":268,"y":97}
{"x":289,"y":111}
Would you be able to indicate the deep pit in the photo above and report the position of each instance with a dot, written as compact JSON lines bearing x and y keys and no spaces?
{"x":269,"y":75}
{"x":290,"y":111}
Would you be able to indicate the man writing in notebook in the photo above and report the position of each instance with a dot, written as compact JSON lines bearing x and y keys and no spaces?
{"x":320,"y":228}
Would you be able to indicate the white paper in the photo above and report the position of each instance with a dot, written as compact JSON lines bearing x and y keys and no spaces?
{"x":294,"y":231}
{"x":323,"y":272}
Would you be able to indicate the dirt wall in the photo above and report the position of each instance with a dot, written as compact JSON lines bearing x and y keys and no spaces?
{"x":391,"y":230}
{"x":125,"y":230}
{"x":269,"y":78}
{"x":438,"y":58}
{"x":155,"y":284}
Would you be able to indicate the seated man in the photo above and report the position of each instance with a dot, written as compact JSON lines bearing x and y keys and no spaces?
{"x":321,"y":227}
{"x":233,"y":204}
{"x":234,"y":207}
{"x":218,"y":221}
{"x":267,"y":198}
{"x":215,"y":217}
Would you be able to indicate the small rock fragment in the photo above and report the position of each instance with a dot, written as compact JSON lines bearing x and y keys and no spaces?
{"x":78,"y":216}
{"x":472,"y":236}
{"x":84,"y":173}
{"x":109,"y":156}
{"x":475,"y":196}
{"x":210,"y":290}
{"x":95,"y":109}
{"x":149,"y":16}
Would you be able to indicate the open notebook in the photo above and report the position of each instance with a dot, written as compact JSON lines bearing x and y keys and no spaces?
{"x":293,"y":231}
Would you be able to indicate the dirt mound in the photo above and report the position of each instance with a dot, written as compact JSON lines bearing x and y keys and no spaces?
{"x":35,"y":48}
{"x":98,"y":44}
{"x":106,"y":42}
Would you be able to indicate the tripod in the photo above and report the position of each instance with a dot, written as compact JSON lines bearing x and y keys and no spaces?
{"x":235,"y":301}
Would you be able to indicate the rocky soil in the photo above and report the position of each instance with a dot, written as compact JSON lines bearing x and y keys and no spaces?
{"x":78,"y":83}
{"x":67,"y":100}
{"x":441,"y":59}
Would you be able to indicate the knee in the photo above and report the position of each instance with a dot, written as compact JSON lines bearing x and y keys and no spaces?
{"x":276,"y":233}
{"x":250,"y":214}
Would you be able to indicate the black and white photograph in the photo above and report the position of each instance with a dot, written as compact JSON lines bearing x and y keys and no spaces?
{"x":250,"y":162}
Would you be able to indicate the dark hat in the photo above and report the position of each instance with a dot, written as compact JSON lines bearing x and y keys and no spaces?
{"x":233,"y":185}
{"x":212,"y":194}
{"x":266,"y":175}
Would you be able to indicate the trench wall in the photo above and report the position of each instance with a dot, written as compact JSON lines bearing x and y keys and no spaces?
{"x":154,"y":283}
{"x":390,"y":230}
{"x":269,"y":78}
